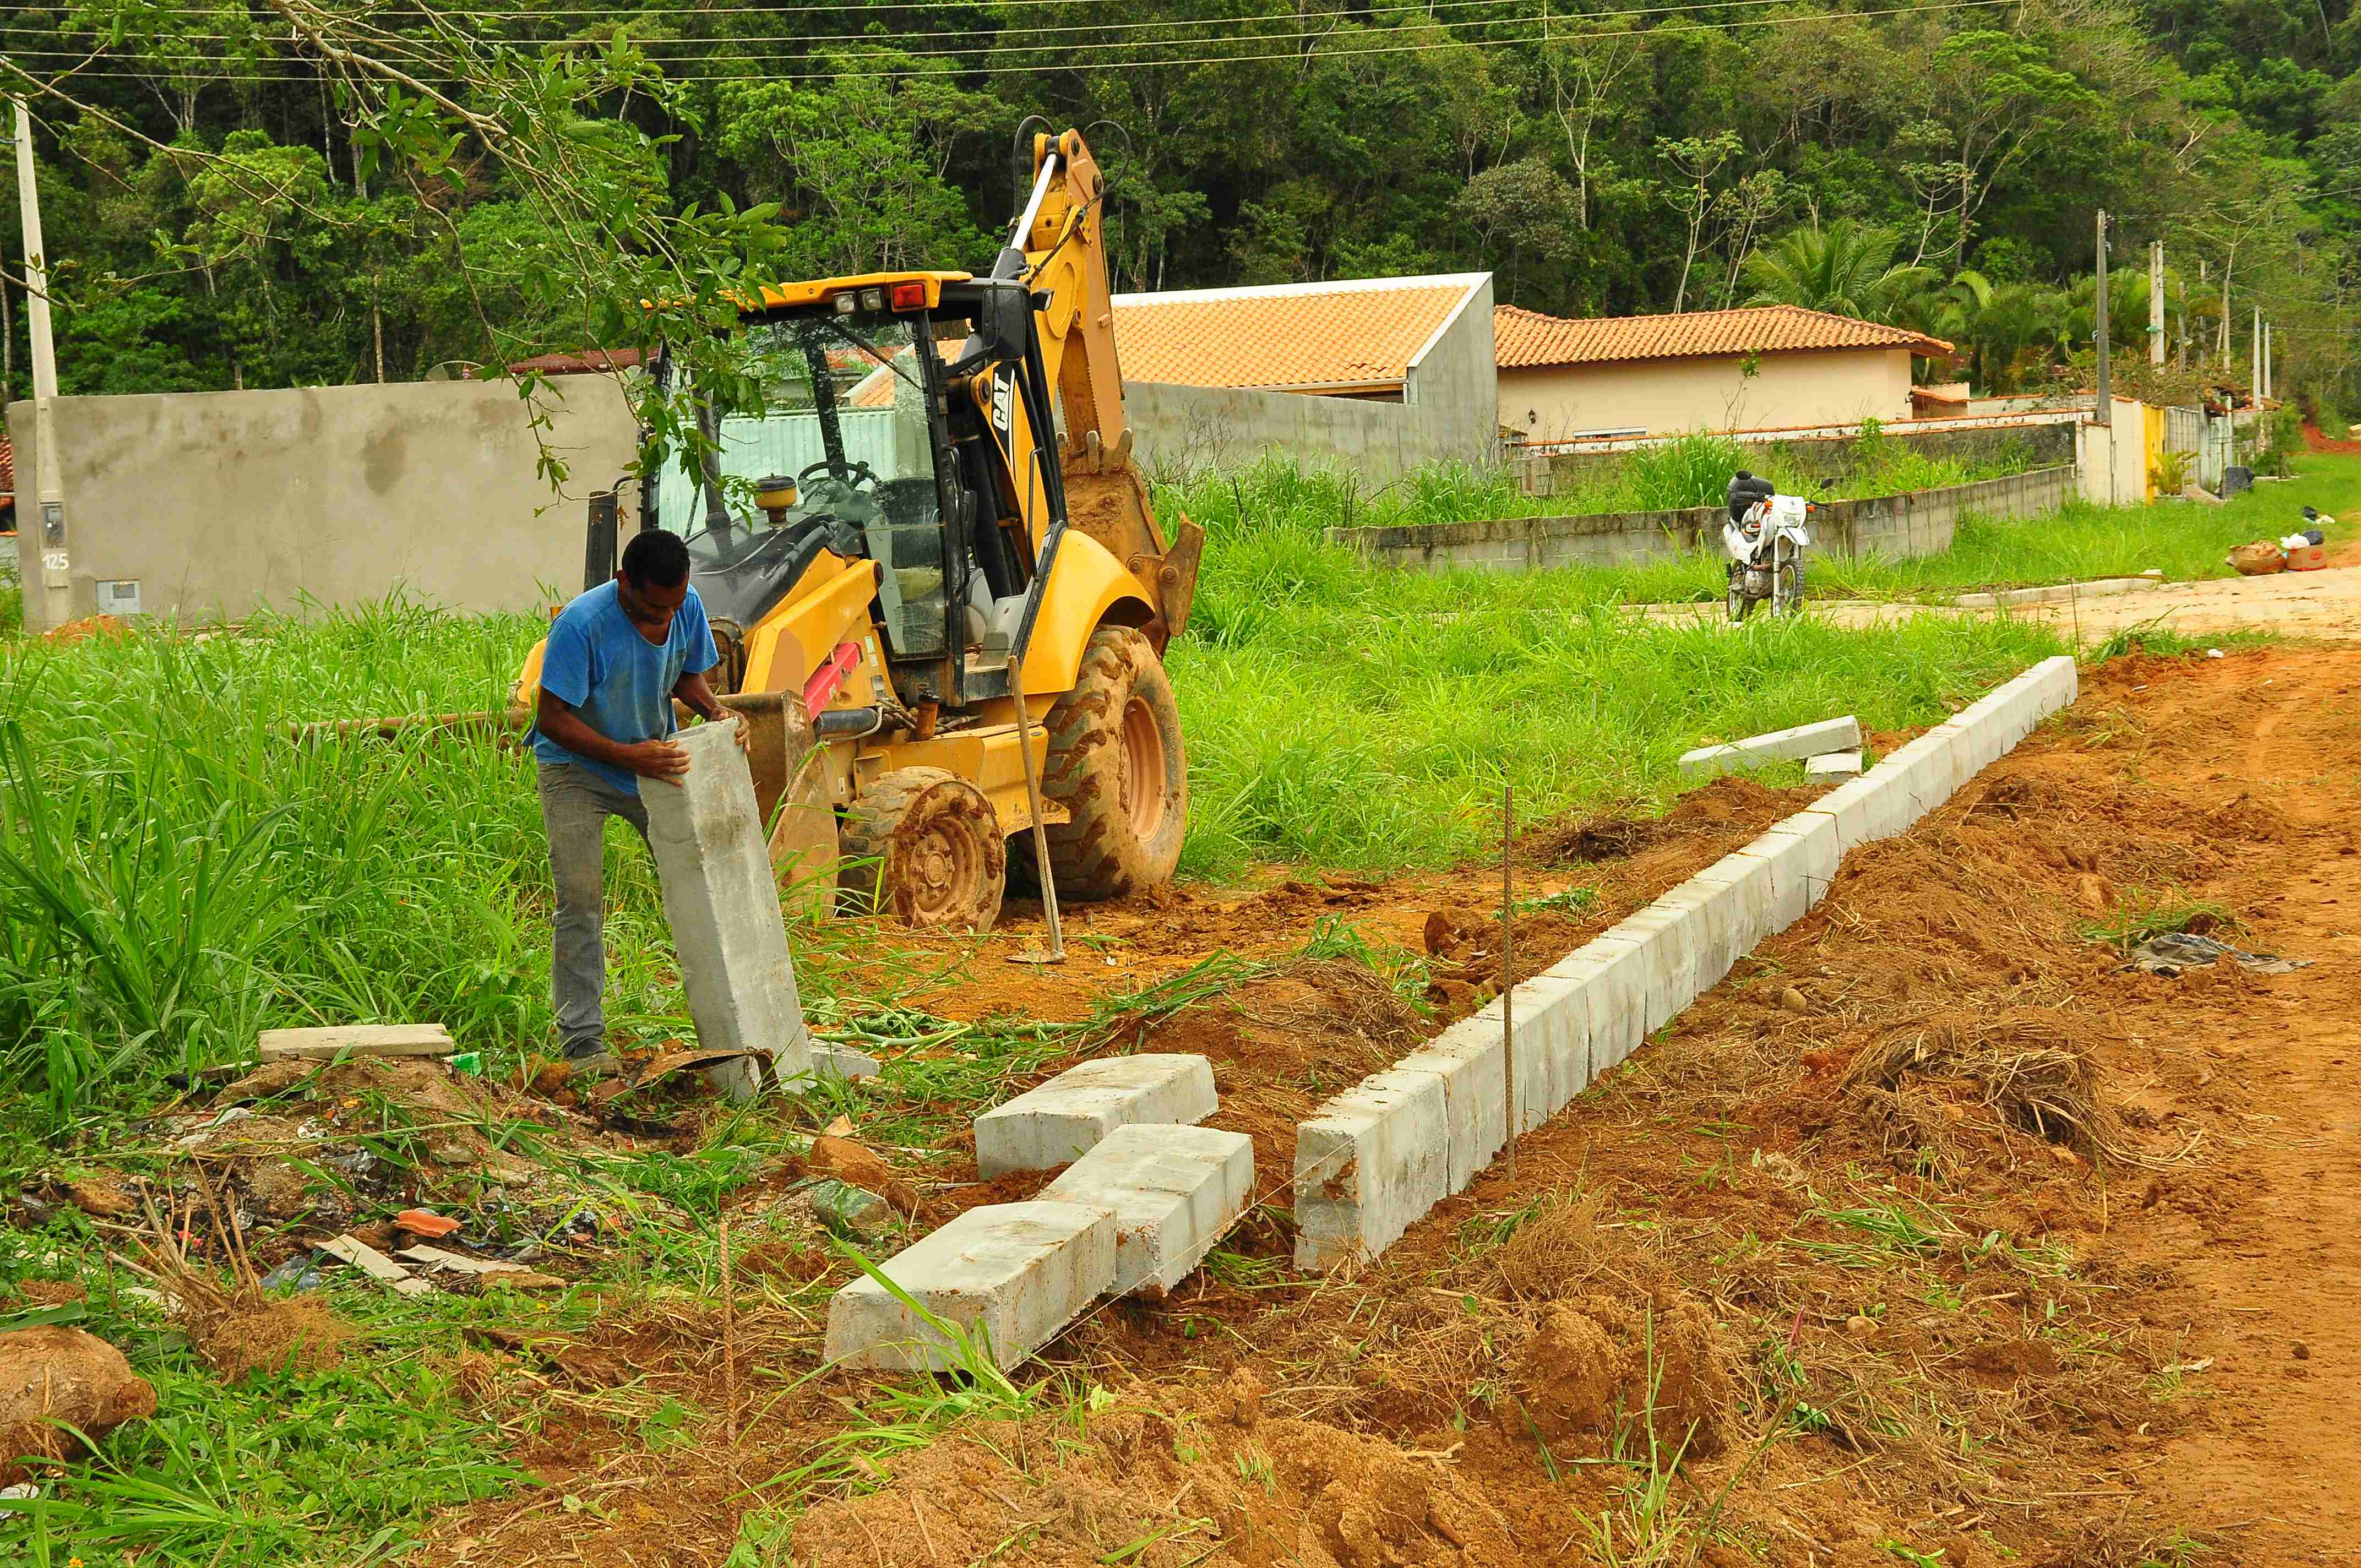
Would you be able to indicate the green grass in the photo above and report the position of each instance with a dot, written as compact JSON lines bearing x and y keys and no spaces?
{"x":1273,"y":517}
{"x":332,"y":1466}
{"x":1691,"y":471}
{"x":12,"y":602}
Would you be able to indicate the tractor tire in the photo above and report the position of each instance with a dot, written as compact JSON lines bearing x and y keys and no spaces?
{"x":1116,"y":762}
{"x":923,"y":846}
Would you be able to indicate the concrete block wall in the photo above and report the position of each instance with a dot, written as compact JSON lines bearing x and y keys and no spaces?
{"x":1918,"y":522}
{"x":2046,"y":443}
{"x":1446,"y":414}
{"x":1370,"y":1162}
{"x":217,"y":504}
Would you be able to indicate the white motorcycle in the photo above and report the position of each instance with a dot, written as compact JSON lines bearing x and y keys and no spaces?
{"x":1765,"y":537}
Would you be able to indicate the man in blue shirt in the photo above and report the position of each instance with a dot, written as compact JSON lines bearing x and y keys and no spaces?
{"x":615,"y":660}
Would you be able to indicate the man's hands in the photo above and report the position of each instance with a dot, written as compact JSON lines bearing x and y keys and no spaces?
{"x":663,"y":760}
{"x":666,"y":762}
{"x":659,"y":760}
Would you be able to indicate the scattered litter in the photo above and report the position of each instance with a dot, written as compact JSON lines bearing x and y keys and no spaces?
{"x":490,"y":1269}
{"x":22,"y":1492}
{"x":2213,"y":653}
{"x":470,"y":1062}
{"x":2170,"y":952}
{"x":355,"y":1040}
{"x":2257,"y":558}
{"x":426,"y":1223}
{"x":302,"y":1271}
{"x":2180,"y":1367}
{"x":376,"y":1265}
{"x":839,"y":1128}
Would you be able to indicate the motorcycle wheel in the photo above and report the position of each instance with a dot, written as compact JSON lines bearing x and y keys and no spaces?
{"x":1791,"y":588}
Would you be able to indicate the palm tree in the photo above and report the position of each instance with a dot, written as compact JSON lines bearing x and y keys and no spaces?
{"x":1846,"y":269}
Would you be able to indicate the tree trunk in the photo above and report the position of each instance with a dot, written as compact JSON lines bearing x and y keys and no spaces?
{"x":377,"y":327}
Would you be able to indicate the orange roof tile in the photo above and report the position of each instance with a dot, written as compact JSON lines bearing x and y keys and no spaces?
{"x":1527,"y":339}
{"x":1350,"y":335}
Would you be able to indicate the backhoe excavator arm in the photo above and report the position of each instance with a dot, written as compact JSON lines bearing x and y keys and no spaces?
{"x":1058,"y":248}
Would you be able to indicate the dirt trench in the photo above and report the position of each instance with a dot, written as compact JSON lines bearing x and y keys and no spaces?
{"x":1932,"y":1235}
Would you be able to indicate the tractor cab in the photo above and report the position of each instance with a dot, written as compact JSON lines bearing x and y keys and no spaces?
{"x":885,"y":440}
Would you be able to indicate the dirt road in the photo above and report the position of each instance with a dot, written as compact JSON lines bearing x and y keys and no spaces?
{"x":2277,"y":1267}
{"x":2324,"y":604}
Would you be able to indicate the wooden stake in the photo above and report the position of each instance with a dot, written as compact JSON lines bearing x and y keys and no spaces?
{"x":1057,"y":953}
{"x":1508,"y":970}
{"x":729,"y":1335}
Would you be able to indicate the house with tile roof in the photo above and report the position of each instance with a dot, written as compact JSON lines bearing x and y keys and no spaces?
{"x":1380,"y":374}
{"x":1761,"y":368}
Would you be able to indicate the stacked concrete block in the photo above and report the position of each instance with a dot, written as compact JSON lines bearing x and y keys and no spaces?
{"x":1172,"y":1190}
{"x":1377,"y":1156}
{"x":723,"y":906}
{"x":1367,"y":1164}
{"x":1793,"y":745}
{"x":1834,"y":765}
{"x":1010,"y":1276}
{"x":1066,"y":1117}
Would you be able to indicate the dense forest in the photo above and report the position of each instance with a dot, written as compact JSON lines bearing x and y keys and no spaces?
{"x":306,"y":192}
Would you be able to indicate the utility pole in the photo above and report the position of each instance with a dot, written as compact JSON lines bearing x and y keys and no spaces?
{"x":2270,"y":371}
{"x":49,"y":534}
{"x":2156,"y":301}
{"x":2254,"y":349}
{"x":2181,"y":348}
{"x":2103,"y":413}
{"x":2106,"y":405}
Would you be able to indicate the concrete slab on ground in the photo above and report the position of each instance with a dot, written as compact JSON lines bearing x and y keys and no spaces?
{"x":1800,"y":744}
{"x":1173,"y":1191}
{"x":1834,"y":765}
{"x":354,"y":1040}
{"x":1065,"y":1118}
{"x":1010,"y":1274}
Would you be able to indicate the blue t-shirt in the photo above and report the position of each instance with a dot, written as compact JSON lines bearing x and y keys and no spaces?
{"x":616,"y":680}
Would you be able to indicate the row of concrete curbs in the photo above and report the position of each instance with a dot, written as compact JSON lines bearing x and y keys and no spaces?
{"x":1149,"y":1192}
{"x":1371,"y":1161}
{"x":1147,"y":1195}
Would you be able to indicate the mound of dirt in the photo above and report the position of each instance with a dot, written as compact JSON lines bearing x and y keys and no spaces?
{"x":1597,"y":1369}
{"x":1220,"y":1479}
{"x":54,"y":1374}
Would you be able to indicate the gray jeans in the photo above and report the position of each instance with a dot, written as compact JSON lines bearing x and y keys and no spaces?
{"x":575,"y":806}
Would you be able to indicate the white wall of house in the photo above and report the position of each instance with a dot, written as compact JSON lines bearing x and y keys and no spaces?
{"x":1665,"y":397}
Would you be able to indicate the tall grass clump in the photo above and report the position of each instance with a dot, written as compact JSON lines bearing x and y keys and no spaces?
{"x":175,"y":873}
{"x":1693,"y":471}
{"x":12,"y":603}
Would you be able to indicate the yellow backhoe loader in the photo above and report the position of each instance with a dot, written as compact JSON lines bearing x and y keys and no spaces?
{"x":901,"y":549}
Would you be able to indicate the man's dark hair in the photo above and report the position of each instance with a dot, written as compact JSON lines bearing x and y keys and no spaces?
{"x":654,"y":559}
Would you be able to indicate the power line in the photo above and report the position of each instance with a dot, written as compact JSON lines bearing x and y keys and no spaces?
{"x":1205,"y":60}
{"x":646,"y":45}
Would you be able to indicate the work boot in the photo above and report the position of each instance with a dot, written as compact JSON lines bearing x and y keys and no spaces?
{"x":591,"y":1058}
